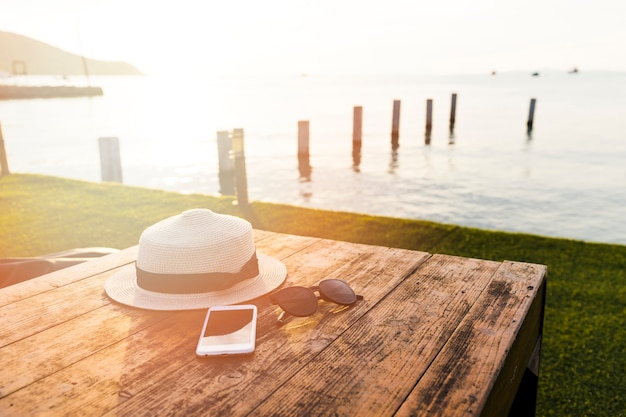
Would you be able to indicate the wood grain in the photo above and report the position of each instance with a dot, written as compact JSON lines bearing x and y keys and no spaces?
{"x":372,"y":367}
{"x":216,"y":386}
{"x":434,"y":335}
{"x":66,"y":276}
{"x":463,"y":374}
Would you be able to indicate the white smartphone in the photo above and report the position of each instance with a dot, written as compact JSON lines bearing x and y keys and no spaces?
{"x":228,"y":330}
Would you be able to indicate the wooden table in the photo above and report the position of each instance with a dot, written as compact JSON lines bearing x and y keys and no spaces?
{"x":435,"y":335}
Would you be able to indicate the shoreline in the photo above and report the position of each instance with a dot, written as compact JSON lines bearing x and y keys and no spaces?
{"x":566,"y":181}
{"x":23,"y":92}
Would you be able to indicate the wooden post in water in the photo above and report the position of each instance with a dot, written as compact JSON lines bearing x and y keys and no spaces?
{"x":4,"y":163}
{"x":110,"y":164}
{"x":452,"y":113}
{"x":395,"y":126}
{"x":357,"y":136}
{"x":531,"y":115}
{"x":226,"y":172}
{"x":239,"y":158}
{"x":304,"y":165}
{"x":429,"y":120}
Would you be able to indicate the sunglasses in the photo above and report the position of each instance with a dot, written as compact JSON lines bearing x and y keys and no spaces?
{"x":302,"y":301}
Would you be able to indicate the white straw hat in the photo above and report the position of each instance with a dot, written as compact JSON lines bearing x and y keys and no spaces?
{"x":195,"y":260}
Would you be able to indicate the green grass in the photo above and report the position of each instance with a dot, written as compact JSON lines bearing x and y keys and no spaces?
{"x":583,"y":367}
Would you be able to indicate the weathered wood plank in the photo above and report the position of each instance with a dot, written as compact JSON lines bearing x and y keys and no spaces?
{"x":373,"y":366}
{"x":93,"y":387}
{"x":464,"y":373}
{"x":104,"y":379}
{"x":65,"y":294}
{"x":51,"y":308}
{"x":56,"y":279}
{"x":36,"y":357}
{"x":526,"y":349}
{"x":217,"y":386}
{"x":27,"y":359}
{"x":281,"y":245}
{"x":433,"y":334}
{"x":278,"y":244}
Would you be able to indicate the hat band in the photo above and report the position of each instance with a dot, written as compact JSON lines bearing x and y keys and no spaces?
{"x":195,"y":283}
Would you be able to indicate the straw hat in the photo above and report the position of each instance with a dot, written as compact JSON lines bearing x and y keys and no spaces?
{"x":194,"y":260}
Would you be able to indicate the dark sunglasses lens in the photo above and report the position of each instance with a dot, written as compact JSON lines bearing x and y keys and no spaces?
{"x":297,"y":301}
{"x":337,"y":291}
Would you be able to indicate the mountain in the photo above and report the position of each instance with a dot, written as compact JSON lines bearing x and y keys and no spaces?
{"x":38,"y":58}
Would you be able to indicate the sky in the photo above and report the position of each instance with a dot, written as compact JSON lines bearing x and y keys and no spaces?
{"x":331,"y":36}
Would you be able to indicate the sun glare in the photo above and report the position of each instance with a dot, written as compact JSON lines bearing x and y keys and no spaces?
{"x":326,"y":36}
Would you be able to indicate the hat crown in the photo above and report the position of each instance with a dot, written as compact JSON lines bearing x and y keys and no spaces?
{"x":194,"y":242}
{"x":194,"y":260}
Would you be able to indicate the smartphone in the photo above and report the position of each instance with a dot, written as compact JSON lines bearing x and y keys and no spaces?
{"x":228,"y":330}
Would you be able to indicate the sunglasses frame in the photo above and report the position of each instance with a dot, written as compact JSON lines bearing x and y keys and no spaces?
{"x":321,"y":295}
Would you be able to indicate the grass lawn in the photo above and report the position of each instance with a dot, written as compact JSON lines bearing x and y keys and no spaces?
{"x":583,"y":365}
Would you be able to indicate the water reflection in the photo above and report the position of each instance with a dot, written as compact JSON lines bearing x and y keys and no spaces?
{"x":304,"y":167}
{"x":356,"y":156}
{"x":395,"y":145}
{"x":451,"y":160}
{"x":227,"y":182}
{"x":451,"y":136}
{"x":393,"y":163}
{"x":306,"y":189}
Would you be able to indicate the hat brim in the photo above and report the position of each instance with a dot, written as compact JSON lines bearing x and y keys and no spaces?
{"x":122,"y":287}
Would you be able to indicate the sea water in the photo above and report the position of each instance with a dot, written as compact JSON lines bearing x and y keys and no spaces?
{"x":565,"y":178}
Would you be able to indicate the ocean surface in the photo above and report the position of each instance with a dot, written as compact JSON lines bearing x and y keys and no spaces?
{"x":567,"y":178}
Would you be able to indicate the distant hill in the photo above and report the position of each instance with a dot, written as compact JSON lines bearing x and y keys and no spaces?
{"x":38,"y":58}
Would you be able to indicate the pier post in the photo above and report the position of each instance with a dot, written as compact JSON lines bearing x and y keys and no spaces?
{"x":395,"y":126}
{"x":110,"y":164}
{"x":225,"y":163}
{"x":239,"y":158}
{"x":4,"y":163}
{"x":304,"y":165}
{"x":452,"y":113}
{"x":357,"y":136}
{"x":531,"y":115}
{"x":429,"y":120}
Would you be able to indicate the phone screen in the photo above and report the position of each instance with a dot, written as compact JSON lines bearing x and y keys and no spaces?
{"x":228,"y":330}
{"x":226,"y":327}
